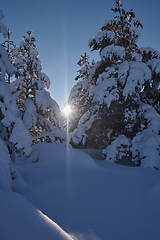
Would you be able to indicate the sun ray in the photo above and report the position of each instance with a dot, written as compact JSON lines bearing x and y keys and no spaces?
{"x":67,"y":110}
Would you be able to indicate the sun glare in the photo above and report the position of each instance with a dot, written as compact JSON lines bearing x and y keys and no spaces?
{"x":67,"y":110}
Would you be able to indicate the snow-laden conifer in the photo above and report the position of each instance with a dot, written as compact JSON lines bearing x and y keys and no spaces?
{"x":80,"y":99}
{"x":14,"y":137}
{"x":124,"y":89}
{"x":38,"y":110}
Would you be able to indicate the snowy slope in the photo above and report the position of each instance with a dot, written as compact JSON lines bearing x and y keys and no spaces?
{"x":89,"y":199}
{"x":19,"y":219}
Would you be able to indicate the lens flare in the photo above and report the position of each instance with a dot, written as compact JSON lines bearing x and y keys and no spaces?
{"x":67,"y":110}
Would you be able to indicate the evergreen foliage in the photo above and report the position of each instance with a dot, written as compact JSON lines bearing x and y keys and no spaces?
{"x":85,"y":67}
{"x":12,"y":129}
{"x":119,"y":32}
{"x":124,"y":92}
{"x":80,"y":99}
{"x":39,"y":112}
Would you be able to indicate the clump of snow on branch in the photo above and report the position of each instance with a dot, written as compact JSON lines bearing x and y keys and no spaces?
{"x":111,"y":52}
{"x":79,"y":134}
{"x":118,"y":149}
{"x":146,"y":149}
{"x":154,"y":64}
{"x":30,"y":116}
{"x":5,"y":65}
{"x":138,"y":74}
{"x":18,"y":132}
{"x":46,"y":80}
{"x":151,"y":52}
{"x":106,"y":92}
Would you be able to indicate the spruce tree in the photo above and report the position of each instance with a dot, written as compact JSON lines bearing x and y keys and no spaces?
{"x":85,"y":67}
{"x":124,"y":87}
{"x":82,"y":101}
{"x":119,"y":32}
{"x":39,"y":112}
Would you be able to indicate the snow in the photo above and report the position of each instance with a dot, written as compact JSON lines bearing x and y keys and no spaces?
{"x":110,"y":52}
{"x":115,"y":150}
{"x":20,"y":219}
{"x":148,"y":50}
{"x":5,"y":65}
{"x":106,"y":92}
{"x":12,"y":122}
{"x":55,"y":133}
{"x":138,"y":74}
{"x":89,"y":199}
{"x":90,"y":41}
{"x":146,"y":147}
{"x":108,"y":22}
{"x":94,"y":68}
{"x":46,"y":80}
{"x":17,"y":136}
{"x":79,"y":134}
{"x":43,"y":99}
{"x":137,"y":57}
{"x":154,"y":64}
{"x":5,"y":175}
{"x":30,"y":116}
{"x":141,"y":22}
{"x":103,"y":35}
{"x":75,"y":90}
{"x":109,"y":71}
{"x":135,"y":32}
{"x":152,"y":117}
{"x":8,"y":103}
{"x":123,"y":72}
{"x":14,"y":85}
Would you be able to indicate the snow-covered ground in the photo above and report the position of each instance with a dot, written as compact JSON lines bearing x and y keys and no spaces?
{"x":89,"y":199}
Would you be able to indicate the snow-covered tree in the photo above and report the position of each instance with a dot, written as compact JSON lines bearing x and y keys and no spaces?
{"x":79,"y":99}
{"x":12,"y":128}
{"x":119,"y":32}
{"x":14,"y":137}
{"x":124,"y":91}
{"x":85,"y":67}
{"x":39,"y":112}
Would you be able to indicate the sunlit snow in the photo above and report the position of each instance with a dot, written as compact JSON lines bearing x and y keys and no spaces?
{"x":89,"y":199}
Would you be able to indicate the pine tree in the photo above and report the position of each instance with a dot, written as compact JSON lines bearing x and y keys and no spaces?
{"x":85,"y":67}
{"x":82,"y":101}
{"x":39,"y":112}
{"x":12,"y":129}
{"x":124,"y":87}
{"x":119,"y":32}
{"x":10,"y":124}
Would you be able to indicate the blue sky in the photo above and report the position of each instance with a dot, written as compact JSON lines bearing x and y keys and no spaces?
{"x":63,"y":29}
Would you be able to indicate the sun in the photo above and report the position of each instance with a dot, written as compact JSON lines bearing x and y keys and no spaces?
{"x":67,"y":110}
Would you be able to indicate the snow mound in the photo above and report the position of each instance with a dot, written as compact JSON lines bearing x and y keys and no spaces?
{"x":21,"y":220}
{"x":44,"y":154}
{"x":83,"y":201}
